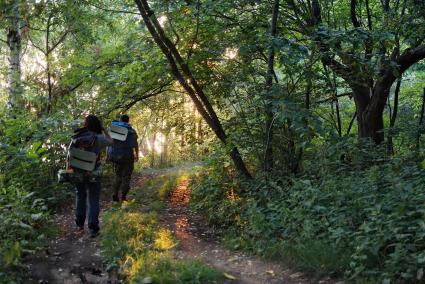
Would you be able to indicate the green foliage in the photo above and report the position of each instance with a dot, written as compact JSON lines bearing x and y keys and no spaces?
{"x":30,"y":154}
{"x":325,"y":193}
{"x":343,"y":216}
{"x":141,"y":250}
{"x":22,"y":219}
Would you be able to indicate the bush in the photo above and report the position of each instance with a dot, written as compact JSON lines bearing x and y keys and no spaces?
{"x":31,"y":151}
{"x":365,"y":221}
{"x":21,"y":217}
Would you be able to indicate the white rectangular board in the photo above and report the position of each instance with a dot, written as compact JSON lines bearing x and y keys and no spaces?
{"x":83,"y":160}
{"x":118,"y":132}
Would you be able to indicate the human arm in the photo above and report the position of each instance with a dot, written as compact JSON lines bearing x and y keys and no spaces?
{"x":136,"y":153}
{"x":107,"y":136}
{"x":136,"y":148}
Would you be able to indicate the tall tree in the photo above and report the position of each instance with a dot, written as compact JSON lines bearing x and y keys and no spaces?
{"x":368,"y":45}
{"x":14,"y":43}
{"x":268,"y":155}
{"x":51,"y":34}
{"x":183,"y":74}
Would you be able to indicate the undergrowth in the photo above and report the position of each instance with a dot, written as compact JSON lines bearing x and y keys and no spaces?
{"x":364,"y":221}
{"x":30,"y":154}
{"x":134,"y":243}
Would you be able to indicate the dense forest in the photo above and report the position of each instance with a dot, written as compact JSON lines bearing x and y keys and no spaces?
{"x":306,"y":115}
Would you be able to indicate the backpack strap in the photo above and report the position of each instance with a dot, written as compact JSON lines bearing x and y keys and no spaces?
{"x":67,"y":154}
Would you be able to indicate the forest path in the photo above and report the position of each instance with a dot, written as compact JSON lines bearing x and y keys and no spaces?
{"x":198,"y":241}
{"x":72,"y":256}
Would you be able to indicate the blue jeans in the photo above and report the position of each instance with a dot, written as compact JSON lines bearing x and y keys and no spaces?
{"x":93,"y":190}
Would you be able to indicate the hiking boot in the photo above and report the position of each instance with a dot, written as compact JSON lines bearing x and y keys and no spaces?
{"x":94,"y":233}
{"x":115,"y":198}
{"x":124,"y":198}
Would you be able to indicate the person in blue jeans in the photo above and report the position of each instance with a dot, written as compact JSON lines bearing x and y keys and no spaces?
{"x":89,"y":185}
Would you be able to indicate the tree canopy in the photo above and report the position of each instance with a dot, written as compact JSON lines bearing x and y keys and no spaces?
{"x":291,"y":104}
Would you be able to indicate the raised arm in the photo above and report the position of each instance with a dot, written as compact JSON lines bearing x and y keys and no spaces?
{"x":136,"y":149}
{"x":107,"y":136}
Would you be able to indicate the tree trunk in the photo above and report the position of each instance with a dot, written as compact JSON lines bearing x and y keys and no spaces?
{"x":371,"y":125}
{"x":369,"y":114}
{"x":183,"y":74}
{"x":15,"y":48}
{"x":421,"y":121}
{"x":393,"y":117}
{"x":268,"y":154}
{"x":152,"y":164}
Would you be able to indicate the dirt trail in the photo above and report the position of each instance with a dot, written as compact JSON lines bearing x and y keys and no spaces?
{"x":72,"y":257}
{"x":197,"y":241}
{"x":76,"y":258}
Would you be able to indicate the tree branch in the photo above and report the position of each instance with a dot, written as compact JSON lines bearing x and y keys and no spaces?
{"x":60,"y":40}
{"x":112,"y":10}
{"x":410,"y":57}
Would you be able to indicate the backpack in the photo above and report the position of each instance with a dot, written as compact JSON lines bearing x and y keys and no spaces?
{"x":122,"y":151}
{"x":83,"y":160}
{"x":83,"y":155}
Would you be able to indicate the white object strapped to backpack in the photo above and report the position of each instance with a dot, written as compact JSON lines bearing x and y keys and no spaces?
{"x":81,"y":159}
{"x":118,"y":132}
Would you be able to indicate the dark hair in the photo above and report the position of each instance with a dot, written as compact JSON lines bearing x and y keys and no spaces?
{"x":92,"y":123}
{"x":124,"y":118}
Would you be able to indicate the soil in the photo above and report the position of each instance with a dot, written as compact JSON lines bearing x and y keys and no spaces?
{"x":71,"y":257}
{"x":198,"y":241}
{"x":74,"y":257}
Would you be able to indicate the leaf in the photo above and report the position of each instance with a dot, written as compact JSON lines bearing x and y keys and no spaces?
{"x":37,"y":216}
{"x":12,"y":254}
{"x":25,"y":226}
{"x":228,"y":276}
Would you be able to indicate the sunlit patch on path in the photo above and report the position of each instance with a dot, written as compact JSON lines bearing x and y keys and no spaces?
{"x":197,"y":241}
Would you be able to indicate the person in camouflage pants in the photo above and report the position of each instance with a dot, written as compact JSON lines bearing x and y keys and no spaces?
{"x":123,"y":155}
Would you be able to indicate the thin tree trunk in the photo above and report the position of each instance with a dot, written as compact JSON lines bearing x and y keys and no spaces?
{"x":338,"y":116}
{"x":152,"y":164}
{"x":14,"y":42}
{"x":165,"y":150}
{"x":268,"y":154}
{"x":49,"y":75}
{"x":183,"y":74}
{"x":308,"y":92}
{"x":393,"y":118}
{"x":351,"y":123}
{"x":421,"y":121}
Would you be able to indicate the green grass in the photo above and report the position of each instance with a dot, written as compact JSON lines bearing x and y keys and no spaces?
{"x":133,"y":242}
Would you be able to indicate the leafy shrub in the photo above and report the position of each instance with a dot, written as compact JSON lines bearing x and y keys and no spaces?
{"x":366,"y":219}
{"x":21,"y":217}
{"x":30,"y":153}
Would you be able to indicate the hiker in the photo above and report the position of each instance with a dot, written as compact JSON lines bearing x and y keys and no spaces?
{"x":123,"y":154}
{"x":94,"y":138}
